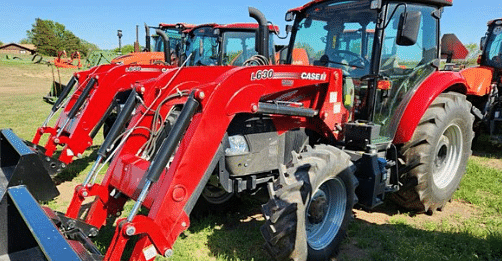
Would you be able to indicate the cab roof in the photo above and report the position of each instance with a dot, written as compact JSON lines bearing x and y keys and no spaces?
{"x":181,"y":26}
{"x":493,"y":21}
{"x":432,"y":2}
{"x":235,"y":26}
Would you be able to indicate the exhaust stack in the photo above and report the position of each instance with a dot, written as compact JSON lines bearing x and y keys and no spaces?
{"x":262,"y":39}
{"x":167,"y":46}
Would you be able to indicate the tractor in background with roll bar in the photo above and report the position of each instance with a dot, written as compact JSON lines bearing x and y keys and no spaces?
{"x":313,"y":136}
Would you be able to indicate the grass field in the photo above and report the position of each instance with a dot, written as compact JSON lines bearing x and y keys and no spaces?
{"x":468,"y":228}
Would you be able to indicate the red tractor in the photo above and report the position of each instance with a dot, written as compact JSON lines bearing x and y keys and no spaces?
{"x":350,"y":127}
{"x":487,"y":79}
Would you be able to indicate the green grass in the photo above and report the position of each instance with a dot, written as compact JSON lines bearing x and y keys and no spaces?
{"x":236,"y":236}
{"x":409,"y":237}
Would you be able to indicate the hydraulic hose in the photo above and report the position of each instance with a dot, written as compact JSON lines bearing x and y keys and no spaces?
{"x":166,"y":150}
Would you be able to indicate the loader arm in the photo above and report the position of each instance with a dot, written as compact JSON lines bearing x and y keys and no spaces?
{"x":78,"y":134}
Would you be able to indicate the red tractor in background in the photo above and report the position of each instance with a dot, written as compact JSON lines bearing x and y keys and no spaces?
{"x":352,"y":126}
{"x":487,"y":82}
{"x":161,"y":52}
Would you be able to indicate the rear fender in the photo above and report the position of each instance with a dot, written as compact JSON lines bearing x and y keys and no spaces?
{"x":414,"y":107}
{"x":478,"y":79}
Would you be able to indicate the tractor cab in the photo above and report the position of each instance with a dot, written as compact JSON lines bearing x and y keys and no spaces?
{"x":231,"y":44}
{"x":174,"y":32}
{"x":492,"y":45}
{"x":384,"y":49}
{"x":165,"y":33}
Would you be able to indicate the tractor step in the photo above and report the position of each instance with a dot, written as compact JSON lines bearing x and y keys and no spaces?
{"x":20,"y":165}
{"x":28,"y":233}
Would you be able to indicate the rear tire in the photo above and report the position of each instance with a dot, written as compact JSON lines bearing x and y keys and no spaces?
{"x":311,"y":207}
{"x":439,"y":149}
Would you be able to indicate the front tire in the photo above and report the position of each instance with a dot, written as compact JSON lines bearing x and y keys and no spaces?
{"x":439,"y":150}
{"x":308,"y":215}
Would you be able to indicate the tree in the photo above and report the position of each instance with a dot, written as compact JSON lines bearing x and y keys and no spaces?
{"x":128,"y":48}
{"x":1,"y":43}
{"x":472,"y":47}
{"x":52,"y":37}
{"x":25,"y":41}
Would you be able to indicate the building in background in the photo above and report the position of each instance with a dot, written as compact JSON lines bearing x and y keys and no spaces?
{"x":13,"y":48}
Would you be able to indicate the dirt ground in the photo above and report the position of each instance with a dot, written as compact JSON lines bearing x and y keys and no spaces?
{"x":30,"y":78}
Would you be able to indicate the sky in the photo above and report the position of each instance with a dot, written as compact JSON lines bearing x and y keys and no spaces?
{"x":98,"y":21}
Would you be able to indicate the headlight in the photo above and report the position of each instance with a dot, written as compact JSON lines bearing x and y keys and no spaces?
{"x":238,"y":145}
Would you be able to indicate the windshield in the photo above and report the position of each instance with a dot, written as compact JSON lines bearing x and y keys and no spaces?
{"x":202,"y":45}
{"x":240,"y":46}
{"x":493,"y":51}
{"x":174,"y":40}
{"x":337,"y":35}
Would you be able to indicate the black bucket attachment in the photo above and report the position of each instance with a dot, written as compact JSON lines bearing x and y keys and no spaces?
{"x":27,"y":232}
{"x":20,"y":165}
{"x":56,"y":90}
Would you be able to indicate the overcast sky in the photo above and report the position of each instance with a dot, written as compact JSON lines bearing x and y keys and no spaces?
{"x":98,"y":21}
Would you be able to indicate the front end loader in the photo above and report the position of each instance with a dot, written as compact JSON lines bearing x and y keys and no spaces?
{"x":356,"y":123}
{"x":102,"y":91}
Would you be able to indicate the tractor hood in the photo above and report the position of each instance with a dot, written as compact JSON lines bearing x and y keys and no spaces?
{"x":139,"y":58}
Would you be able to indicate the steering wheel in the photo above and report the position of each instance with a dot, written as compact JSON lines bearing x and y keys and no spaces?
{"x":359,"y":62}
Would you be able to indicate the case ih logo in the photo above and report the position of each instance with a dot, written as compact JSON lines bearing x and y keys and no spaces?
{"x":313,"y":76}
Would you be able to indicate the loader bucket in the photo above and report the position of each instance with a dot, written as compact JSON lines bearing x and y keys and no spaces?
{"x":20,"y":165}
{"x":56,"y":90}
{"x":28,"y":232}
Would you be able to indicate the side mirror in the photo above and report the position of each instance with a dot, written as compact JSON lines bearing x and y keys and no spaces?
{"x":409,"y":25}
{"x":482,"y":43}
{"x":290,"y":16}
